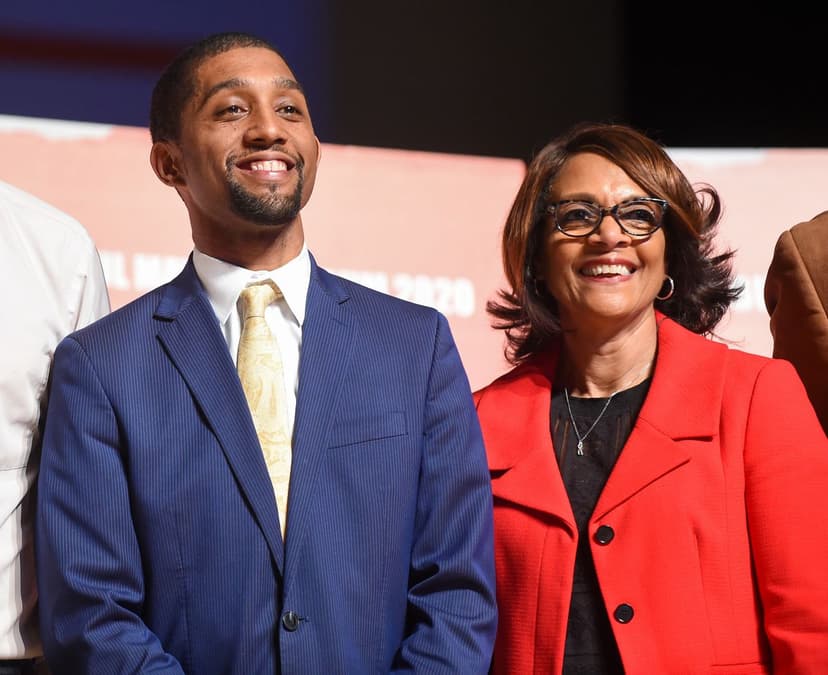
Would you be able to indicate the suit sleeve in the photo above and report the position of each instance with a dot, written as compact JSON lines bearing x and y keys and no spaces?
{"x":786,"y":492}
{"x":452,"y":609}
{"x":798,"y":320}
{"x":88,"y":560}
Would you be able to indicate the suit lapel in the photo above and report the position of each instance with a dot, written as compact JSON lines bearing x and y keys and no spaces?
{"x":327,"y":339}
{"x":680,"y":405}
{"x":647,"y":456}
{"x":189,"y":331}
{"x":514,"y":413}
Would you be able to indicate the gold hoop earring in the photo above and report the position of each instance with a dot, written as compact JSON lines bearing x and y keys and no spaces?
{"x":669,"y":294}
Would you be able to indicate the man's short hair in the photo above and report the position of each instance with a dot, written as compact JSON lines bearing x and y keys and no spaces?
{"x":177,"y":84}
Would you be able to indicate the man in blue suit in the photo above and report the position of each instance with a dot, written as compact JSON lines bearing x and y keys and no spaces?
{"x":159,"y":536}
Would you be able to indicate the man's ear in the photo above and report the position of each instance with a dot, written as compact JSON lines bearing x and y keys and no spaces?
{"x":318,"y":150}
{"x":165,"y":160}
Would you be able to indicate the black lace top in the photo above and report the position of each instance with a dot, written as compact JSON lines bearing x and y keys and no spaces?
{"x":590,"y":645}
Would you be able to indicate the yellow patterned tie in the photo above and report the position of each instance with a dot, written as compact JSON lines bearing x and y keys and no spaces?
{"x":260,"y":371}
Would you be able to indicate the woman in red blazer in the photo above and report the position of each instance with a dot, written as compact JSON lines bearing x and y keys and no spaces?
{"x":661,"y":500}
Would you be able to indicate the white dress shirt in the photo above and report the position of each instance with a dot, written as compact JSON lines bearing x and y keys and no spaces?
{"x":51,"y":283}
{"x":224,"y":282}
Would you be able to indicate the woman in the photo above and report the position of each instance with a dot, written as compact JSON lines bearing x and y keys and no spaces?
{"x":660,"y":499}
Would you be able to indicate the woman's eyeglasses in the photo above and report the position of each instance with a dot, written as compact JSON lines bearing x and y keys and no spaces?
{"x":637,"y":217}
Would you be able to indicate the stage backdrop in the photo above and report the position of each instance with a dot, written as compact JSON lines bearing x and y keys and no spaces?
{"x":421,"y":226}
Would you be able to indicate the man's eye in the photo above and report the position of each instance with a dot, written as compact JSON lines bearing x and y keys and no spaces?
{"x":289,"y":110}
{"x":230,"y":111}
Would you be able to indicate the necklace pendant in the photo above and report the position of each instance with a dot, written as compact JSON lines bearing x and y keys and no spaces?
{"x":580,"y":438}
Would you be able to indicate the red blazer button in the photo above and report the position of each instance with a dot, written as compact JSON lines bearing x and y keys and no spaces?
{"x":623,"y":613}
{"x":604,"y":535}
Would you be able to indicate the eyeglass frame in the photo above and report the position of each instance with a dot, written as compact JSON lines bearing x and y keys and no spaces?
{"x":605,"y":211}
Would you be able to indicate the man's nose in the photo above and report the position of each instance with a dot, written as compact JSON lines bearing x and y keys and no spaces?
{"x":265,"y":127}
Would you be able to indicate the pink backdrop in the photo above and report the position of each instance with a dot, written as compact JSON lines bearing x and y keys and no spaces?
{"x":423,"y":226}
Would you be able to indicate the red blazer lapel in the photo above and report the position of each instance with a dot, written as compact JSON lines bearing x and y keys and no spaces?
{"x":681,"y":405}
{"x":515,"y":420}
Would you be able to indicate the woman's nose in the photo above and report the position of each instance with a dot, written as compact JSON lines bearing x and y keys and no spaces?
{"x":610,"y":231}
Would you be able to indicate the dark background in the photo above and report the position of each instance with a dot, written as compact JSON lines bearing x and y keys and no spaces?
{"x":485,"y":78}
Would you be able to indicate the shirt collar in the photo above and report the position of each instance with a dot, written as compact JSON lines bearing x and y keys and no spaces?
{"x":224,"y":281}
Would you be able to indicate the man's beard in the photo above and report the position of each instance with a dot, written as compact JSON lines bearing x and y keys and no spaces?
{"x":274,"y":209}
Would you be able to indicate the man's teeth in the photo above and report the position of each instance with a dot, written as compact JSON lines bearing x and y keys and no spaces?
{"x":598,"y":270}
{"x":269,"y":165}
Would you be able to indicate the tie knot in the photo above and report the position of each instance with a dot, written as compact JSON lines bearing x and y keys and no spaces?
{"x":256,"y":297}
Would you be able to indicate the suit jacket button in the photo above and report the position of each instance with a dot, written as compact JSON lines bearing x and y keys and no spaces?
{"x":604,"y":535}
{"x":290,"y":620}
{"x":623,"y":613}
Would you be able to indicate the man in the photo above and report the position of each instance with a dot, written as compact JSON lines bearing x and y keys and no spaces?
{"x":51,"y":283}
{"x":796,"y":296}
{"x":170,"y":543}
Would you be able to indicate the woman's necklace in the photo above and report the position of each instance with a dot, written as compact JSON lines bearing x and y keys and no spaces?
{"x":580,"y":438}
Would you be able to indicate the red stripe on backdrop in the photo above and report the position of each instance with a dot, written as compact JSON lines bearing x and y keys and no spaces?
{"x":424,"y":226}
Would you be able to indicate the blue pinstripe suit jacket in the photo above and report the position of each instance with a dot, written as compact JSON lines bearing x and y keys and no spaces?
{"x":158,"y":540}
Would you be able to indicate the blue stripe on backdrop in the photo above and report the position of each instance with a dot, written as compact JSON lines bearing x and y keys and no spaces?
{"x":96,"y":61}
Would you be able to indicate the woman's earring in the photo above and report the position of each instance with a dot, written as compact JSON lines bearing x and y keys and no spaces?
{"x":668,"y":280}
